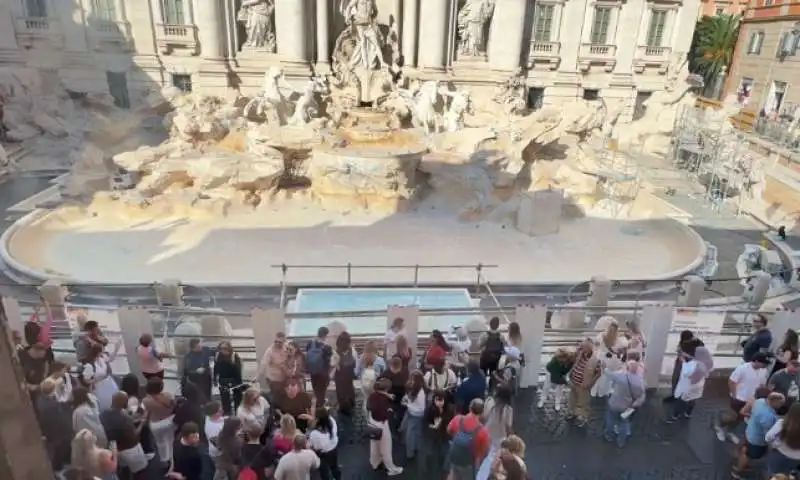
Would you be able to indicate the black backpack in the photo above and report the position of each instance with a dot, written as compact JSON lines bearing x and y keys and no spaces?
{"x":493,"y":350}
{"x":347,"y":363}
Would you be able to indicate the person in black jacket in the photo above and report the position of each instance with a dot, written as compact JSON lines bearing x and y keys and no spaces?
{"x":228,"y":375}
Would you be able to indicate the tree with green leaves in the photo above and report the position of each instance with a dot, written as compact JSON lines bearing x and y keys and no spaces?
{"x":712,"y":46}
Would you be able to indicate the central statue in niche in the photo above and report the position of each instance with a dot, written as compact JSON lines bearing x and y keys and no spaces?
{"x":359,"y":57}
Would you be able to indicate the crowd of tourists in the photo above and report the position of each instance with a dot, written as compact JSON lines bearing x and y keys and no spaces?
{"x":448,"y":413}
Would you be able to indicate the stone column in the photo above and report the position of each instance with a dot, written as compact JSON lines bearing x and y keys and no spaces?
{"x":134,"y":322}
{"x":323,"y":35}
{"x":656,"y":323}
{"x":290,"y":29}
{"x":208,"y":18}
{"x":433,"y":33}
{"x":506,"y":34}
{"x":410,"y":15}
{"x":531,"y":320}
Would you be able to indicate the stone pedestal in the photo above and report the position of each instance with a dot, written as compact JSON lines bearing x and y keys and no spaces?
{"x":540,"y":213}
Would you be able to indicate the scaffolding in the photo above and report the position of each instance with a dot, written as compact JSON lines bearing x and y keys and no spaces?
{"x":618,"y":179}
{"x":714,"y":155}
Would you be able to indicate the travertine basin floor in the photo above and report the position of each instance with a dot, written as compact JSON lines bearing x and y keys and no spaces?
{"x":241,"y":248}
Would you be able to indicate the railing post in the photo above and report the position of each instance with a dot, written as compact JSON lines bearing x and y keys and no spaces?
{"x":531,"y":320}
{"x":656,"y":323}
{"x":284,"y":271}
{"x":134,"y":322}
{"x":416,"y":275}
{"x":266,"y":325}
{"x":479,"y":270}
{"x":349,"y":274}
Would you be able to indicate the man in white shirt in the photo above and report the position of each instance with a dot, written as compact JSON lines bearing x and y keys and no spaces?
{"x":743,"y":383}
{"x":297,"y":464}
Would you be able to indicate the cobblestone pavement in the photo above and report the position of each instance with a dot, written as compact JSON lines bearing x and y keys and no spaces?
{"x":558,"y":450}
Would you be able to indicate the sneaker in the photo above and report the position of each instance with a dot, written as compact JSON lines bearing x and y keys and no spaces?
{"x":580,"y":423}
{"x":557,"y":407}
{"x":540,"y":404}
{"x":608,"y":438}
{"x":672,"y":419}
{"x":394,"y":472}
{"x":687,"y":415}
{"x":733,"y":438}
{"x":720,"y":433}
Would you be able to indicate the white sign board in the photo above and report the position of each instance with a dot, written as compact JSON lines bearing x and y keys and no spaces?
{"x":705,"y":324}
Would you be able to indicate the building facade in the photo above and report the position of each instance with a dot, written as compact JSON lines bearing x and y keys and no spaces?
{"x":717,"y":7}
{"x":618,"y":49}
{"x":766,"y":62}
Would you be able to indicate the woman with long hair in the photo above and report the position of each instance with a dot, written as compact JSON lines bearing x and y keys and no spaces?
{"x":254,"y":410}
{"x":324,"y":440}
{"x":96,"y":375}
{"x":229,"y":446}
{"x":228,"y":375}
{"x":437,"y":350}
{"x":390,"y":338}
{"x":91,"y":461}
{"x":284,"y":435}
{"x":787,"y":352}
{"x":611,"y":345}
{"x":379,"y":406}
{"x":160,"y":406}
{"x":498,"y":415}
{"x":345,"y":374}
{"x":55,"y":423}
{"x":507,"y":463}
{"x":437,"y":417}
{"x":86,"y":415}
{"x":295,"y":362}
{"x":370,"y":367}
{"x":514,"y":337}
{"x":784,"y":437}
{"x":403,"y":350}
{"x":414,"y":421}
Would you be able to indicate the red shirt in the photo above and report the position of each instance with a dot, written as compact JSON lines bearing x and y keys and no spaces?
{"x":480,"y":442}
{"x":435,"y":355}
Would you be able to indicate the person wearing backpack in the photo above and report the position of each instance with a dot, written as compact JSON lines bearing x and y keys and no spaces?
{"x":492,"y":348}
{"x":508,"y":374}
{"x":469,"y":442}
{"x":318,"y":364}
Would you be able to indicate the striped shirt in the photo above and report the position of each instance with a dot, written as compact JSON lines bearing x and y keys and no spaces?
{"x":579,"y":369}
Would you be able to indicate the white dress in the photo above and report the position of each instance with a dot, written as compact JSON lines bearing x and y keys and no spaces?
{"x":602,"y":388}
{"x":106,"y":387}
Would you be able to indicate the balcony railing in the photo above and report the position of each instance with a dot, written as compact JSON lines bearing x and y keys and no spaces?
{"x":649,"y":51}
{"x":113,"y":32}
{"x":545,"y":49}
{"x":592,"y":50}
{"x":173,"y":37}
{"x":31,"y":29}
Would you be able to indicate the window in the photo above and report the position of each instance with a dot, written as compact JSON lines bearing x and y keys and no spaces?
{"x":655,"y":32}
{"x":767,"y":3}
{"x":36,"y":8}
{"x":600,"y":25}
{"x":788,"y":44}
{"x":543,"y":22}
{"x":754,"y":45}
{"x":105,"y":9}
{"x":720,"y":11}
{"x":172,"y":10}
{"x":535,"y":98}
{"x":591,"y":94}
{"x":182,"y":81}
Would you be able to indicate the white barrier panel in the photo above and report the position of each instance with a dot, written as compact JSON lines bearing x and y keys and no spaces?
{"x":266,"y":326}
{"x":134,"y":323}
{"x":531,"y":320}
{"x":410,"y":316}
{"x":655,"y":323}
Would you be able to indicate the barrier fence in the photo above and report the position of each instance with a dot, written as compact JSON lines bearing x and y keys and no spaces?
{"x":544,"y":328}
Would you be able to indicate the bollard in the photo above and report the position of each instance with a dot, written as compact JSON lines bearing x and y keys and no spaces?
{"x":599,"y":293}
{"x":755,"y":292}
{"x":691,"y":292}
{"x":53,"y":293}
{"x":169,"y":293}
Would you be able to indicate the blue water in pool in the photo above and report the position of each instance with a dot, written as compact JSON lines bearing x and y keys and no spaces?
{"x":355,"y":299}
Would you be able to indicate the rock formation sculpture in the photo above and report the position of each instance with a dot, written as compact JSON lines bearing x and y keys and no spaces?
{"x":459,"y":106}
{"x":270,"y":104}
{"x":512,"y":94}
{"x":473,"y":20}
{"x":308,"y":105}
{"x":257,"y":16}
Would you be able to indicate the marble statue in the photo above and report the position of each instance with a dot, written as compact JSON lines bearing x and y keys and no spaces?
{"x":460,"y":105}
{"x":270,"y":103}
{"x":472,"y":20}
{"x":425,"y":101}
{"x":512,"y":94}
{"x":360,"y":16}
{"x":257,"y":18}
{"x":307,"y":107}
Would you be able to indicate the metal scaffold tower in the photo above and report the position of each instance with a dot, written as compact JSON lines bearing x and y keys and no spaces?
{"x":715,"y":155}
{"x":619,"y":182}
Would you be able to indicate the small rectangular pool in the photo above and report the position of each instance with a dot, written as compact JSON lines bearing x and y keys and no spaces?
{"x":310,"y":300}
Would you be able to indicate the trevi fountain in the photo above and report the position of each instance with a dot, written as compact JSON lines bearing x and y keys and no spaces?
{"x":363,"y":165}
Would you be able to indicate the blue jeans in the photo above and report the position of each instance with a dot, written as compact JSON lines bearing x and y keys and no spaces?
{"x":414,"y":430}
{"x":616,"y":426}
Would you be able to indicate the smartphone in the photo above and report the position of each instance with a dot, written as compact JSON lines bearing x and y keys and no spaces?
{"x":627,"y":413}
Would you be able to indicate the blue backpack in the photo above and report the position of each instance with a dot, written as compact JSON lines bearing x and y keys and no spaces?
{"x":461,"y":446}
{"x":315,"y":358}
